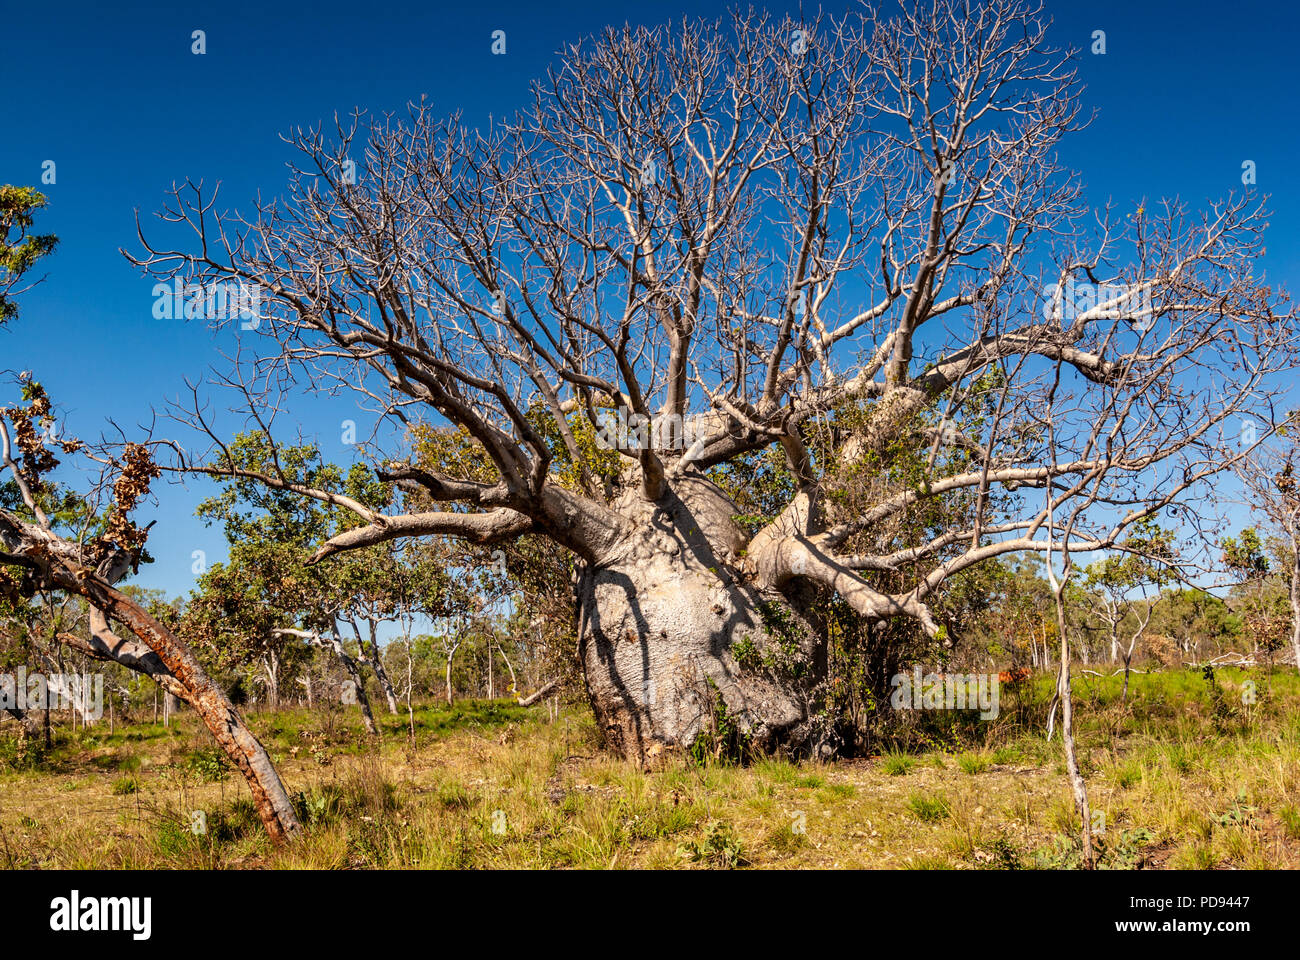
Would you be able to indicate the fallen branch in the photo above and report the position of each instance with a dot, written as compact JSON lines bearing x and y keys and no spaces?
{"x":532,"y":698}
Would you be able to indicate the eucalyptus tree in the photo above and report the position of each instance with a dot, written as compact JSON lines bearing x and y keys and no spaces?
{"x":1269,"y":479}
{"x":705,"y":240}
{"x":260,"y":605}
{"x":1147,"y":563}
{"x":88,"y":556}
{"x":20,"y":247}
{"x":1260,"y":594}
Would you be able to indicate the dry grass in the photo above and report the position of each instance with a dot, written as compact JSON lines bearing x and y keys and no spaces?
{"x":1174,"y":782}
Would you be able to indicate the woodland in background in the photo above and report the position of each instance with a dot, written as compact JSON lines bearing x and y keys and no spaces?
{"x":440,"y":620}
{"x":903,"y":398}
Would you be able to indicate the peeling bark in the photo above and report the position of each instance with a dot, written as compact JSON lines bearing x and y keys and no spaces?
{"x":207,"y":699}
{"x":59,"y":565}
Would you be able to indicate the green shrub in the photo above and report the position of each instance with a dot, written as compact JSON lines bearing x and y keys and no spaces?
{"x":719,"y":847}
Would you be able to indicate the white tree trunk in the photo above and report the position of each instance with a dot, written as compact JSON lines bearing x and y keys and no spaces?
{"x":658,"y":624}
{"x":375,"y":655}
{"x":1295,"y":600}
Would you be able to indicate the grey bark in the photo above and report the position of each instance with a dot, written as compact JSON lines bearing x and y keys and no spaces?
{"x":370,"y":654}
{"x":659,"y":621}
{"x":532,"y":698}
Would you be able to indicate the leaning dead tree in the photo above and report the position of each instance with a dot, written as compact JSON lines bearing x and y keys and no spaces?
{"x":848,"y":242}
{"x":35,"y":554}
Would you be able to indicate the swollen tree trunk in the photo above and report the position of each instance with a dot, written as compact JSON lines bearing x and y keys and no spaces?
{"x":674,"y":634}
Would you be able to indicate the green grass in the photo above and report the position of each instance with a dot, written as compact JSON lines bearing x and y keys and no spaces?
{"x":974,"y":762}
{"x":897,"y":764}
{"x":485,"y":785}
{"x":928,"y":808}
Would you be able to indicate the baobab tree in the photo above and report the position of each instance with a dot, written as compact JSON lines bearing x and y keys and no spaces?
{"x":848,"y":240}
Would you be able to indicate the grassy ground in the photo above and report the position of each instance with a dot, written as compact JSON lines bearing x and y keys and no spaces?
{"x":1184,"y":775}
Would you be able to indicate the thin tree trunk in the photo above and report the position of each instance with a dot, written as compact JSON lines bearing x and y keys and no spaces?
{"x":75,"y":695}
{"x":271,"y":667}
{"x":358,"y":685}
{"x":1063,"y":695}
{"x":514,"y":682}
{"x":335,"y":645}
{"x":1077,"y":785}
{"x":1295,"y":600}
{"x":371,"y":653}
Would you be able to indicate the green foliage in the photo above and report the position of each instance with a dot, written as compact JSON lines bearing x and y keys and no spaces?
{"x":1240,"y":814}
{"x":746,"y":654}
{"x":209,"y":764}
{"x":1245,"y":555}
{"x":722,"y":740}
{"x":20,"y":249}
{"x":973,"y":763}
{"x":719,"y":847}
{"x":239,"y":608}
{"x":1222,"y":712}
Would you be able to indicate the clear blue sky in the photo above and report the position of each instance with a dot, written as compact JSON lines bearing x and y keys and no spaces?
{"x":112,"y":94}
